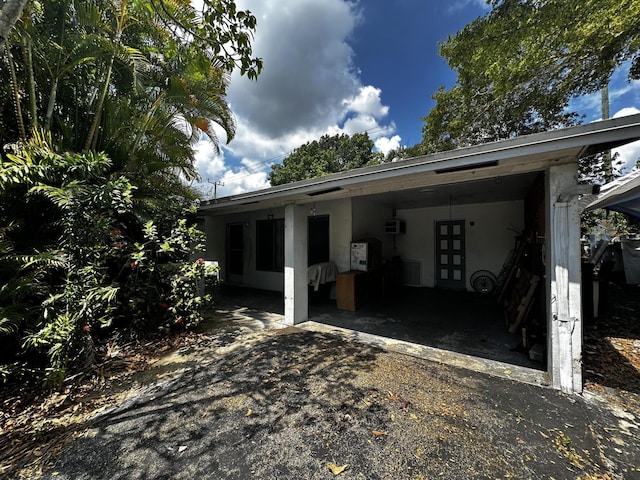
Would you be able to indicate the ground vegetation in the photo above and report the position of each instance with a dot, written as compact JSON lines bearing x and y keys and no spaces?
{"x":100,"y":105}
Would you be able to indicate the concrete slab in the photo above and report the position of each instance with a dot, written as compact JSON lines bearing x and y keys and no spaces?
{"x":446,"y":357}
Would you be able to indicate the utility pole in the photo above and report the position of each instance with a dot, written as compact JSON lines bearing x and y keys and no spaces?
{"x":215,"y":188}
{"x":606,"y":157}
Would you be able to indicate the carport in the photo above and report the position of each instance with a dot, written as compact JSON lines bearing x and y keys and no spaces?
{"x":490,"y":192}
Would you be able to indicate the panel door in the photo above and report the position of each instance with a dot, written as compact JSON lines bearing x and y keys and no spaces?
{"x":450,"y":253}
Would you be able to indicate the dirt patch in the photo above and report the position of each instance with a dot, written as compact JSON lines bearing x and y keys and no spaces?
{"x":238,"y":400}
{"x":612,"y":350}
{"x":34,"y":427}
{"x":292,"y":403}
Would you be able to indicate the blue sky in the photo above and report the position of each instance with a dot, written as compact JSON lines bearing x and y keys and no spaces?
{"x":335,"y":66}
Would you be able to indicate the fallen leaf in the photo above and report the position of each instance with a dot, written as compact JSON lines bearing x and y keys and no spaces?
{"x":249,"y":412}
{"x":405,"y":405}
{"x":379,"y":433}
{"x":413,"y":416}
{"x":336,"y":470}
{"x":507,"y":372}
{"x":182,"y":448}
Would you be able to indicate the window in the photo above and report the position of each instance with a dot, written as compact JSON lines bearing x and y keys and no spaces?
{"x":270,"y":245}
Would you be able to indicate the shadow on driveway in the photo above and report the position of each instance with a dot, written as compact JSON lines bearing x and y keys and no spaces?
{"x":290,"y":402}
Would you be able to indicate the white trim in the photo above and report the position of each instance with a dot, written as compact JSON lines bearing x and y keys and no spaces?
{"x":563,"y":144}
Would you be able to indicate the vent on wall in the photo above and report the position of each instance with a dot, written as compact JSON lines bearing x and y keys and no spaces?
{"x":412,"y":273}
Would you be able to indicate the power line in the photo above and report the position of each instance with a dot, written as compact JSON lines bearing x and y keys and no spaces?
{"x":215,"y":188}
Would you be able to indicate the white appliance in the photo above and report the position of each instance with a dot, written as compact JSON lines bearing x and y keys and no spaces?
{"x":359,"y":256}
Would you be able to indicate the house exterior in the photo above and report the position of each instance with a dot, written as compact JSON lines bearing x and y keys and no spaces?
{"x":459,"y":210}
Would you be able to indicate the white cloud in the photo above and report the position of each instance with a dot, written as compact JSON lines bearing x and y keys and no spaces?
{"x":367,"y":102}
{"x":244,"y":179}
{"x":462,"y":4}
{"x":385,"y":144}
{"x":631,"y":86}
{"x":210,"y":165}
{"x":626,"y":112}
{"x":589,"y":105}
{"x":248,"y":175}
{"x":308,"y":65}
{"x":309,"y":87}
{"x":628,"y":154}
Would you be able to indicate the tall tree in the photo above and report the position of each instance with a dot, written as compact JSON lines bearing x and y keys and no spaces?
{"x":330,"y":154}
{"x":139,"y":80}
{"x":519,"y":65}
{"x":91,"y":242}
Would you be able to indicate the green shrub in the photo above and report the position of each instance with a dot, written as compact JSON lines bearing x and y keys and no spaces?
{"x":81,"y":258}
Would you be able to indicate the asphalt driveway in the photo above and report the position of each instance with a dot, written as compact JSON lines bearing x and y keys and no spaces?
{"x":295,"y":404}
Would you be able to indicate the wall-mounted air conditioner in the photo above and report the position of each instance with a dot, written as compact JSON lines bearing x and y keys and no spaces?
{"x":394,"y":227}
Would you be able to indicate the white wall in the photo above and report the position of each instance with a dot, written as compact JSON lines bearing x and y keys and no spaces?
{"x":368,"y":222}
{"x":488,"y":240}
{"x":339,"y":212}
{"x":490,"y":230}
{"x":340,"y":219}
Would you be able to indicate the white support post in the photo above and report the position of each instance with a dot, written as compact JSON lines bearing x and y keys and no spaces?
{"x":296,"y":306}
{"x":563,"y":270}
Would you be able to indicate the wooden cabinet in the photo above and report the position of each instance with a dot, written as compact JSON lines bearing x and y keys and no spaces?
{"x":350,"y":290}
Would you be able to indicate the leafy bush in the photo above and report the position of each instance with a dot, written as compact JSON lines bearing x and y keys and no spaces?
{"x":80,"y":259}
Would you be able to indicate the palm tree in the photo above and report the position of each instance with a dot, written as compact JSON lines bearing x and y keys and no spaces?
{"x":141,"y":81}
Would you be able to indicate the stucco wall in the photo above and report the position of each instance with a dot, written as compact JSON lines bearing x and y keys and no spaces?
{"x":340,"y":220}
{"x":490,"y":230}
{"x":339,"y":212}
{"x":368,"y":222}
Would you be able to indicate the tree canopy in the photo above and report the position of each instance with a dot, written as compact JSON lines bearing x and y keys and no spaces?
{"x":140,"y":81}
{"x":519,"y":65}
{"x":330,"y":154}
{"x":100,"y":103}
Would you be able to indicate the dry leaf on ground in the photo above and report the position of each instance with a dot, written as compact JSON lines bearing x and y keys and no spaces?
{"x":336,"y":470}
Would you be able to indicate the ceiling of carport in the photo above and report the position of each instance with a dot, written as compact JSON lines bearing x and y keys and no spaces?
{"x":495,"y":189}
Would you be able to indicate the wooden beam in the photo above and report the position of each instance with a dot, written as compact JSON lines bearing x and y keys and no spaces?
{"x":563,"y":271}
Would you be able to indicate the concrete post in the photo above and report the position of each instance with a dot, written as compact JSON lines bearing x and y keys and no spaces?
{"x":563,"y":271}
{"x":296,"y":294}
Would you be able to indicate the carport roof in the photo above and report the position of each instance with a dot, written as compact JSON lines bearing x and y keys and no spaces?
{"x":621,"y":195}
{"x":523,"y":154}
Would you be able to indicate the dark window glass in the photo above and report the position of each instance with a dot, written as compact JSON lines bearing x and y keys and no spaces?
{"x":318,"y":239}
{"x":270,"y":245}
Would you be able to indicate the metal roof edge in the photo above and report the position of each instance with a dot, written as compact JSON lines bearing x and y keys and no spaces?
{"x":598,"y":132}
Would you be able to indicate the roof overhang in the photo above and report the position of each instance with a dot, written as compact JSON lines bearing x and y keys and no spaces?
{"x":518,"y":155}
{"x":621,"y":195}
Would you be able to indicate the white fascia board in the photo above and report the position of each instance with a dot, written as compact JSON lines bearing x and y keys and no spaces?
{"x":556,"y":142}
